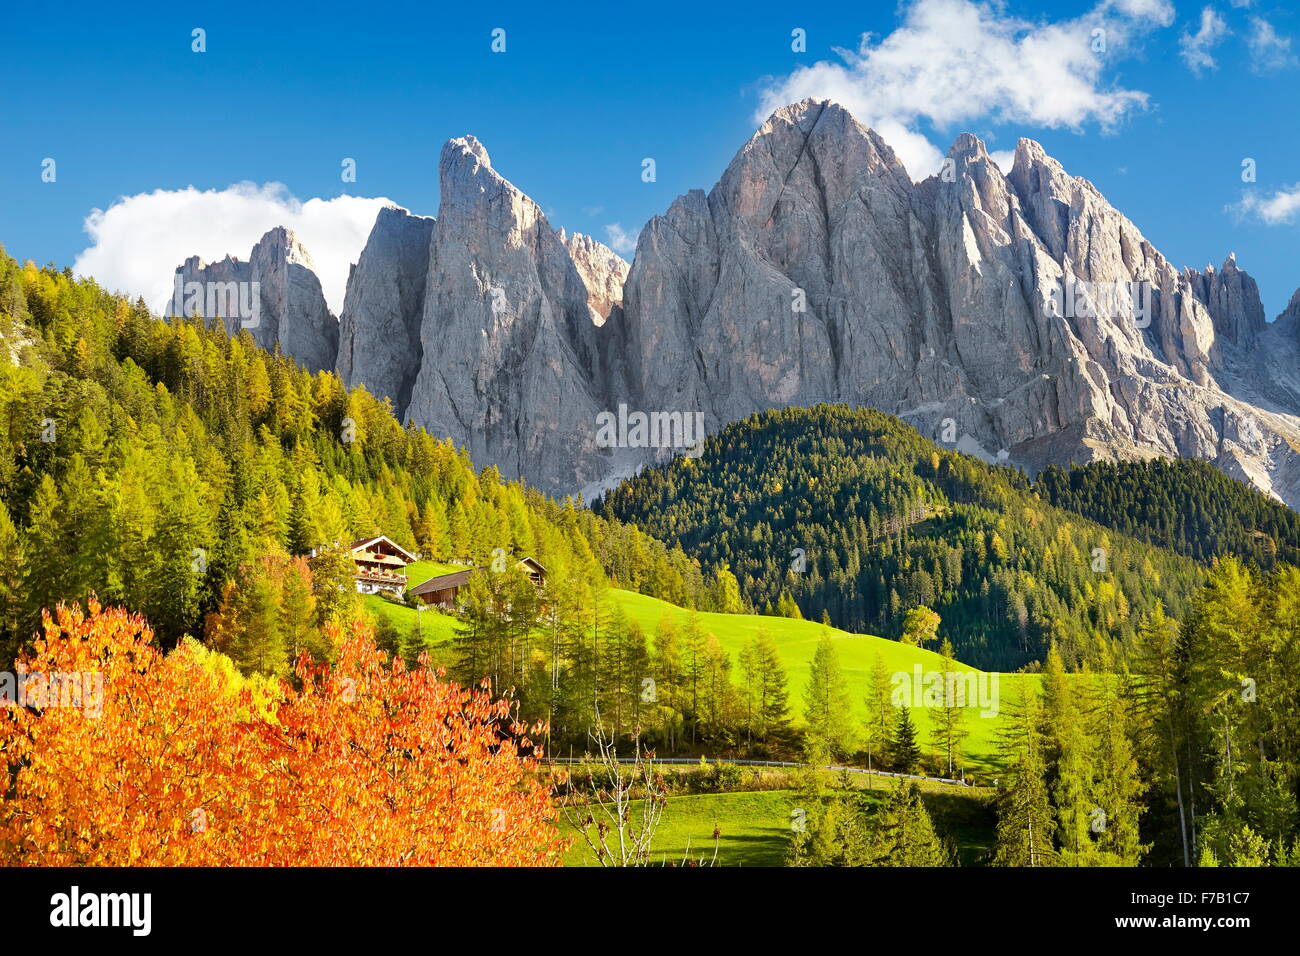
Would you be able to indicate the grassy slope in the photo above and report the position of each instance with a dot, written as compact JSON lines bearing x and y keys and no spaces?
{"x":797,"y":642}
{"x":420,"y":571}
{"x":754,"y":826}
{"x":437,"y":625}
{"x":754,"y":829}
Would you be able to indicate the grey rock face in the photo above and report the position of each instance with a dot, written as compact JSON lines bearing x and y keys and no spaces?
{"x":1016,"y":316}
{"x":275,"y":295}
{"x":510,"y":351}
{"x":1018,"y":312}
{"x":383,"y":308}
{"x":1232,"y":298}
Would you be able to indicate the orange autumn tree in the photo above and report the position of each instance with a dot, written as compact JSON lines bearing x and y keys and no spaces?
{"x":368,"y":764}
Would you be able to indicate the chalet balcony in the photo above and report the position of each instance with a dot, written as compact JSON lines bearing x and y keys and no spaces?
{"x":381,"y":577}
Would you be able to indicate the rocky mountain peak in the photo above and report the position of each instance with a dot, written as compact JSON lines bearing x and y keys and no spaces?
{"x":1019,"y":316}
{"x":1293,"y":307}
{"x":1021,"y":311}
{"x":603,"y":272}
{"x":275,"y":295}
{"x":510,"y":360}
{"x":383,"y":308}
{"x":281,"y":243}
{"x":969,"y":147}
{"x":467,"y":147}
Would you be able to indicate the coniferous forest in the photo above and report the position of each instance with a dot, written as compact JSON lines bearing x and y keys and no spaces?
{"x":1184,"y":505}
{"x":850,"y":513}
{"x":148,"y":461}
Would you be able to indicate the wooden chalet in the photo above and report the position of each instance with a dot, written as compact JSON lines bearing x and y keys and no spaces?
{"x":442,"y":590}
{"x":381,"y":565}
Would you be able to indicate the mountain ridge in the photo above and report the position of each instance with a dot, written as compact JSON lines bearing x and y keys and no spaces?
{"x":816,"y":270}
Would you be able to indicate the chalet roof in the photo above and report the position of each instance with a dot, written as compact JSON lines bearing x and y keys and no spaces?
{"x":456,"y":579}
{"x":442,"y":581}
{"x":365,"y":542}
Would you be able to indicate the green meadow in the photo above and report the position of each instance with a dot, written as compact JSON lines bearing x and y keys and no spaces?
{"x":437,"y":627}
{"x":797,"y":641}
{"x":753,"y":830}
{"x":754,"y":826}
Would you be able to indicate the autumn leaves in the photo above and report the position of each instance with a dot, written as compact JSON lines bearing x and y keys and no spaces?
{"x":364,"y":762}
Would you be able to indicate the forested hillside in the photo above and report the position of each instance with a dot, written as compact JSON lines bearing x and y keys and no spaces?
{"x":852,"y":513}
{"x":190,"y":476}
{"x":149,"y":462}
{"x":1186,"y":505}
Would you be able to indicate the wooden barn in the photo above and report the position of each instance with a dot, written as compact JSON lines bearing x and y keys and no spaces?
{"x":381,"y":565}
{"x":443,"y":589}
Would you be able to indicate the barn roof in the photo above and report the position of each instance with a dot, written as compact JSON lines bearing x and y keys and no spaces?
{"x":442,"y":581}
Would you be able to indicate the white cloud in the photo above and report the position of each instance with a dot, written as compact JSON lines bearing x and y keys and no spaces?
{"x":138,"y":242}
{"x":1004,"y":159}
{"x":1196,"y":46}
{"x":1278,"y":209}
{"x":1268,"y":51}
{"x":620,"y":240}
{"x":955,"y":61}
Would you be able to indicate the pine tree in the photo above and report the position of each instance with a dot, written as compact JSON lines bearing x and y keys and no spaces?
{"x":728,"y":599}
{"x":298,"y":614}
{"x":431,"y":531}
{"x":636,"y":671}
{"x":902,"y":834}
{"x":179,"y":548}
{"x":693,"y":642}
{"x":12,"y":599}
{"x":905,"y":755}
{"x":250,"y":631}
{"x":764,"y":693}
{"x":774,"y":694}
{"x":1118,"y":787}
{"x":668,"y":667}
{"x":304,"y":528}
{"x":1161,"y":704}
{"x":333,"y":575}
{"x":717,"y":699}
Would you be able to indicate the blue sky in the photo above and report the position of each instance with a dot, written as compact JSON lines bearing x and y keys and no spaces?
{"x":1161,"y":123}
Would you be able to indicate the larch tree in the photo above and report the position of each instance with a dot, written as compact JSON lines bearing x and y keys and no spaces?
{"x":827,"y":709}
{"x":879,"y":711}
{"x":949,"y":717}
{"x":1026,"y":828}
